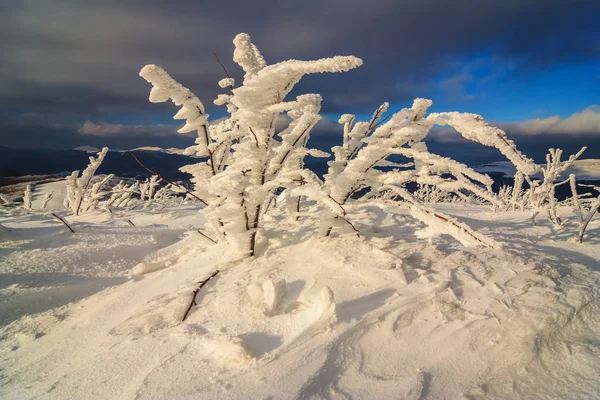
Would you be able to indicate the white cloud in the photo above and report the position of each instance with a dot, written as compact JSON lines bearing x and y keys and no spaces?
{"x":586,"y":121}
{"x":105,"y":129}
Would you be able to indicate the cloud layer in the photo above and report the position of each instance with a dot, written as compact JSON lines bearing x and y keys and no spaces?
{"x":106,"y":129}
{"x":85,"y":54}
{"x":585,"y":122}
{"x":78,"y":60}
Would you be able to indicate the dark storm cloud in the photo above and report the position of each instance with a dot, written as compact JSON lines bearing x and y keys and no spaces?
{"x":83,"y":57}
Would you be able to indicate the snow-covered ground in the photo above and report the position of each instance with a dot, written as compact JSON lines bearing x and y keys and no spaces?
{"x":98,"y":314}
{"x":588,"y":169}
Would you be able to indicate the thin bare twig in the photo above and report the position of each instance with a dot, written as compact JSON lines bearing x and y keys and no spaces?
{"x":383,"y":121}
{"x":166,"y":180}
{"x":206,"y":236}
{"x":193,"y":302}
{"x":222,"y":66}
{"x":254,"y":134}
{"x":130,"y":223}
{"x":63,"y":221}
{"x":346,"y":220}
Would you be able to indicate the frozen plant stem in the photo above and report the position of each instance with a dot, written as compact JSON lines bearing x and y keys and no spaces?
{"x":63,"y":221}
{"x":195,"y":293}
{"x":206,"y":236}
{"x":166,"y":180}
{"x":588,"y":218}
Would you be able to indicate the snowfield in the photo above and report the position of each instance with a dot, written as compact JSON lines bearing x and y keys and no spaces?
{"x":98,"y":314}
{"x":587,"y":169}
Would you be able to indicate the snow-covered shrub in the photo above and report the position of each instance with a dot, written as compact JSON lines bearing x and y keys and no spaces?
{"x":77,"y":186}
{"x":540,"y":195}
{"x":4,"y":200}
{"x":247,"y":162}
{"x":367,"y":146}
{"x":165,"y":192}
{"x":47,"y":198}
{"x":431,"y":194}
{"x":121,"y":195}
{"x":544,"y":193}
{"x":27,"y":198}
{"x":585,"y":210}
{"x":147,"y":189}
{"x":246,"y":159}
{"x":93,"y":196}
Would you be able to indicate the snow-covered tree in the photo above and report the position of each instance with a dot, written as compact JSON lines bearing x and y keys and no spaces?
{"x":246,"y":159}
{"x":77,"y":186}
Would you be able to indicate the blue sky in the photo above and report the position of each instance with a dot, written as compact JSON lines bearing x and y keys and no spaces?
{"x":69,"y":75}
{"x":501,"y":93}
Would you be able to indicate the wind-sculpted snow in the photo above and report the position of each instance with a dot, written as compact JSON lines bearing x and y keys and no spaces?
{"x":381,"y":316}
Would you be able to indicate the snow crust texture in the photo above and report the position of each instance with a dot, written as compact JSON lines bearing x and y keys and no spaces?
{"x":382,"y":316}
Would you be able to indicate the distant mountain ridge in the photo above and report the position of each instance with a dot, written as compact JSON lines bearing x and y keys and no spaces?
{"x":18,"y":162}
{"x":586,"y":169}
{"x":170,"y":150}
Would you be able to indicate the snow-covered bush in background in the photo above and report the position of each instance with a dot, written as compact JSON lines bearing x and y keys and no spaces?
{"x":540,"y":195}
{"x":148,"y":188}
{"x":4,"y":200}
{"x":77,"y":186}
{"x":246,"y":159}
{"x":429,"y":194}
{"x":585,"y":211}
{"x":165,"y":192}
{"x":93,"y":196}
{"x":47,"y":198}
{"x":27,"y":198}
{"x":121,"y":195}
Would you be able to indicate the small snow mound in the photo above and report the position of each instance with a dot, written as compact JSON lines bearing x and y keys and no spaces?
{"x":227,"y":350}
{"x":274,"y":293}
{"x":144,"y":268}
{"x":328,"y":309}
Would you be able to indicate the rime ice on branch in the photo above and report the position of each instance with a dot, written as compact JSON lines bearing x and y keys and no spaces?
{"x":27,"y":198}
{"x":77,"y":187}
{"x":245,"y":160}
{"x":367,"y":146}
